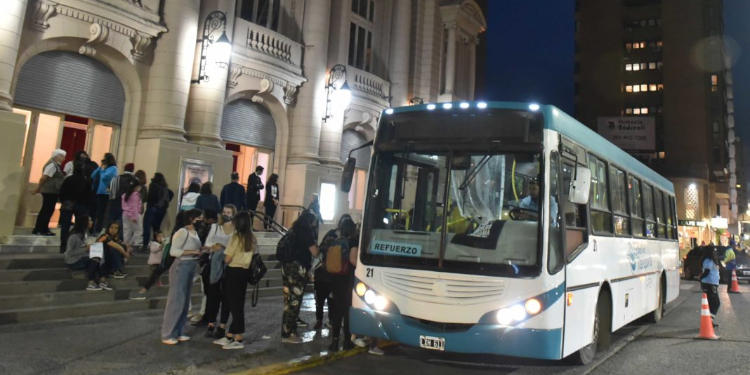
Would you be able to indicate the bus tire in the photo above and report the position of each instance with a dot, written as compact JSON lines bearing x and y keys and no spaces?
{"x":656,"y":315}
{"x":602,"y":331}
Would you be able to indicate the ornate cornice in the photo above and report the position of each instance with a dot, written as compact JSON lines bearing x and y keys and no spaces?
{"x":290,"y":87}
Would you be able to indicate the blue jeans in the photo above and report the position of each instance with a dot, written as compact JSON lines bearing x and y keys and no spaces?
{"x":178,"y":300}
{"x":93,"y":271}
{"x":152,"y":222}
{"x":113,"y":261}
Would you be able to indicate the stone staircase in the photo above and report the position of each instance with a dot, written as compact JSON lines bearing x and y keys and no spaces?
{"x":36,"y":285}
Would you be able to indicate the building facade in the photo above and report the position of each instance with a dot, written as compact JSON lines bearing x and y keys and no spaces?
{"x":146,"y":81}
{"x":654,"y":77}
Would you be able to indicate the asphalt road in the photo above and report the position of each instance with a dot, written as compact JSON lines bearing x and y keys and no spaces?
{"x":668,"y":347}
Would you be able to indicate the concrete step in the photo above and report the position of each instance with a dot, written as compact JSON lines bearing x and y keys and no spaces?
{"x":35,"y":249}
{"x":35,"y":314}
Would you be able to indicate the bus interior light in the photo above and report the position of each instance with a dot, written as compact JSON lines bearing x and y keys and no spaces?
{"x":464,"y":105}
{"x":361,"y":289}
{"x":482,"y":105}
{"x":533,"y":306}
{"x":430,"y":107}
{"x":447,"y":105}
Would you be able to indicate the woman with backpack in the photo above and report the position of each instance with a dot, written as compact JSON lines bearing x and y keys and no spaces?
{"x":238,"y":256}
{"x":322,"y":282}
{"x":340,"y":258}
{"x":296,"y":258}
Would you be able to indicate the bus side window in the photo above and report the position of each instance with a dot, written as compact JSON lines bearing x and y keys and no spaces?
{"x":574,"y":215}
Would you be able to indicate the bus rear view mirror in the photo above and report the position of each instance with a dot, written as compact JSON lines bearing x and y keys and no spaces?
{"x":347,"y":175}
{"x":580,"y":185}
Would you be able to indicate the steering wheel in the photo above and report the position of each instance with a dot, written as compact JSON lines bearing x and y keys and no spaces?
{"x":518,"y":213}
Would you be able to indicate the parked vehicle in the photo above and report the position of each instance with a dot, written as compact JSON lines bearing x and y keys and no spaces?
{"x":691,"y":264}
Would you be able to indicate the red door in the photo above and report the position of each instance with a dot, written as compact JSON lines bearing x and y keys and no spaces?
{"x":73,"y":140}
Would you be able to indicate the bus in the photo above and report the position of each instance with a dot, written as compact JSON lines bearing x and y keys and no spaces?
{"x":508,"y":228}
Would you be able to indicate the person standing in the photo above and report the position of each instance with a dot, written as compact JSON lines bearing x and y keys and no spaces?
{"x":132,"y":208}
{"x":186,"y":248}
{"x":79,"y":157}
{"x":75,"y":196}
{"x":101,"y":179}
{"x":271,"y":202}
{"x":217,"y":241}
{"x":710,"y":280}
{"x":233,"y":193}
{"x":237,"y":256}
{"x":346,"y":237}
{"x":730,"y":263}
{"x":190,"y":198}
{"x":117,"y":187}
{"x":294,"y":274}
{"x":207,"y":201}
{"x":49,"y":185}
{"x":157,"y":202}
{"x":254,"y":186}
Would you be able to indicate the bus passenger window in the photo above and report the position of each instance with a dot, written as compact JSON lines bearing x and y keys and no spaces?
{"x":648,"y":210}
{"x":636,"y":206}
{"x":601,"y":218}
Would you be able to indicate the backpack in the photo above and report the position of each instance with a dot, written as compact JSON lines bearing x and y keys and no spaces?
{"x":337,"y":257}
{"x":285,"y":247}
{"x":122,"y":183}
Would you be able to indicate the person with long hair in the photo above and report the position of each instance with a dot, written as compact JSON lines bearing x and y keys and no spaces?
{"x":207,"y":201}
{"x":77,"y":255}
{"x":101,"y":178}
{"x":238,"y":256}
{"x":710,"y":279}
{"x":342,"y":285}
{"x":157,"y":202}
{"x":271,"y":201}
{"x":75,"y":197}
{"x":217,"y":241}
{"x":294,"y":274}
{"x":132,"y":207}
{"x":115,"y":251}
{"x":322,"y":280}
{"x":186,"y":248}
{"x":190,"y":198}
{"x":49,"y":186}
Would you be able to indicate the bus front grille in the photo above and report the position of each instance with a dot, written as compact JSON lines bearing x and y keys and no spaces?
{"x":448,"y":291}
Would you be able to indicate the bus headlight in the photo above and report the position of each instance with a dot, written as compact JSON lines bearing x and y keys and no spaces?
{"x":504,"y":317}
{"x":370,"y":297}
{"x":381,"y":303}
{"x":518,"y":312}
{"x":533,"y":306}
{"x":360,"y":289}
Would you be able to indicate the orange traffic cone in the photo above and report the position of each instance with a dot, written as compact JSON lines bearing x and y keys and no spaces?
{"x":735,"y":284}
{"x":707,"y":328}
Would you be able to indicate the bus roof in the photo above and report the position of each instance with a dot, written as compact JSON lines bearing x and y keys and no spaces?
{"x":557,"y":120}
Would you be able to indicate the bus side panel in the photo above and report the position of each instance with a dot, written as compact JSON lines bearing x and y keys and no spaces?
{"x":583,"y":282}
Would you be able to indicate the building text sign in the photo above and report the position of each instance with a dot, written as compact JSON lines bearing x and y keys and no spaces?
{"x":628,"y":133}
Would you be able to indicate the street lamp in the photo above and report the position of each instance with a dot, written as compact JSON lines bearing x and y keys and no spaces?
{"x":337,"y":89}
{"x":214,"y":42}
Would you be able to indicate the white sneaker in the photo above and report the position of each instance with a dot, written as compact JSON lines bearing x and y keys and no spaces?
{"x":360,"y":342}
{"x":93,"y":287}
{"x":169,"y":341}
{"x":234,"y":345}
{"x":376,"y":351}
{"x":183,"y":338}
{"x":223,"y":341}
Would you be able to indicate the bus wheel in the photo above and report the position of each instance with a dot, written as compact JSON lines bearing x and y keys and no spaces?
{"x":601,"y":336}
{"x":656,"y":315}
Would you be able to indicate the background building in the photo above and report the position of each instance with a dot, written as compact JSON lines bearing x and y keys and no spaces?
{"x":651,"y":76}
{"x":128,"y":77}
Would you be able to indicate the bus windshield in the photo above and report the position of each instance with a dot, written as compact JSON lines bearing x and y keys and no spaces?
{"x":457,"y":212}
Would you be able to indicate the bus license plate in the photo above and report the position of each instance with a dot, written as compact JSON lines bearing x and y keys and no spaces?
{"x":433,"y":343}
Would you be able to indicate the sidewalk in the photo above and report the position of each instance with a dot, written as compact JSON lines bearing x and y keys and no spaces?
{"x":130,"y":344}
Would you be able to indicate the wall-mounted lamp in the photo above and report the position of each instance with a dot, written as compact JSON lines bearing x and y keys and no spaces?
{"x":416,"y":101}
{"x":214,"y":42}
{"x":337,"y":90}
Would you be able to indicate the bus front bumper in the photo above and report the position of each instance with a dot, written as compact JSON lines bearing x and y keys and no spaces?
{"x":479,"y":338}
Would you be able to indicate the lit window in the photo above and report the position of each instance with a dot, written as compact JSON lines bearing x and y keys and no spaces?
{"x":636,"y":88}
{"x":637,"y":111}
{"x":628,"y":46}
{"x":652,"y":87}
{"x":628,"y":67}
{"x":660,"y":87}
{"x":659,"y":43}
{"x":644,"y":111}
{"x":327,"y":201}
{"x":662,"y":154}
{"x":652,"y":66}
{"x":628,"y":111}
{"x":643,"y":44}
{"x":628,"y":88}
{"x":644,"y":87}
{"x":636,"y":67}
{"x":643,"y":66}
{"x":714,"y":79}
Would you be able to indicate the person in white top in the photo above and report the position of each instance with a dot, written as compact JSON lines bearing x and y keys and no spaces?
{"x":186,"y":248}
{"x":49,"y":185}
{"x":217,"y":241}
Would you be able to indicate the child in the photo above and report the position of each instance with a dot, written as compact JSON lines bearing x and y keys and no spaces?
{"x":132,"y":223}
{"x":114,"y":251}
{"x":155,"y":248}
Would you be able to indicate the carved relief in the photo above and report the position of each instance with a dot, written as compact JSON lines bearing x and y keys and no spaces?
{"x":289,"y":88}
{"x":235,"y":73}
{"x":266,"y":86}
{"x":290,"y":94}
{"x":43,"y":11}
{"x":140,"y":43}
{"x":98,"y":36}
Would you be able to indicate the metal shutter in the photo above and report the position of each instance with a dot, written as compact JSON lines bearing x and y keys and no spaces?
{"x":351,"y":139}
{"x":72,"y":84}
{"x":248,"y":123}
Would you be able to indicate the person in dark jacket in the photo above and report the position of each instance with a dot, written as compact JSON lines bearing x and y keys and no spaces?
{"x":75,"y":197}
{"x":49,"y":185}
{"x":157,"y":203}
{"x":342,"y":285}
{"x":254,"y":186}
{"x":294,"y":275}
{"x":233,"y":193}
{"x":271,"y":201}
{"x":207,"y":201}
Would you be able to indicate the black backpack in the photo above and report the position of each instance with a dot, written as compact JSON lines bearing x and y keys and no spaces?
{"x":285,"y":247}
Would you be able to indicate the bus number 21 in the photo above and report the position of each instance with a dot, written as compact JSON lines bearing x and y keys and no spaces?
{"x":369,"y":272}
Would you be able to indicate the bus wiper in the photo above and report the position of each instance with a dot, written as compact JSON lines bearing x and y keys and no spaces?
{"x":472,"y":173}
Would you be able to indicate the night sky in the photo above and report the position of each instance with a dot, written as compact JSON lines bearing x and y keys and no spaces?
{"x":530,"y":55}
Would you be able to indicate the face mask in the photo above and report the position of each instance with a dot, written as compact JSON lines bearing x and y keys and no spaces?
{"x":226,"y":218}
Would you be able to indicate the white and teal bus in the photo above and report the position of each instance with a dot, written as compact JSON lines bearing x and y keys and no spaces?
{"x":511,"y":229}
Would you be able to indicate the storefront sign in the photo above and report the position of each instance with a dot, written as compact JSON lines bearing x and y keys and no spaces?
{"x":691,"y":223}
{"x":719,"y":223}
{"x":629,"y":133}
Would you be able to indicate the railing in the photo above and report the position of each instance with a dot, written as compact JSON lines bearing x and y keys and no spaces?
{"x":276,"y":227}
{"x":368,"y":83}
{"x":268,"y":42}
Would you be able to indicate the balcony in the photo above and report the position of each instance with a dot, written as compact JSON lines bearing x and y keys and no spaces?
{"x":265,"y":50}
{"x":368,"y":86}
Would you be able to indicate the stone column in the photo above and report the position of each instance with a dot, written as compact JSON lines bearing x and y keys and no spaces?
{"x":306,"y":117}
{"x":398,"y":72}
{"x":166,"y":96}
{"x":11,"y":25}
{"x":206,"y":102}
{"x":450,"y":63}
{"x":472,"y":67}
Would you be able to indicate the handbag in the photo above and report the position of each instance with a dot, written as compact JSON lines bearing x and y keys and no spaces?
{"x":256,"y":270}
